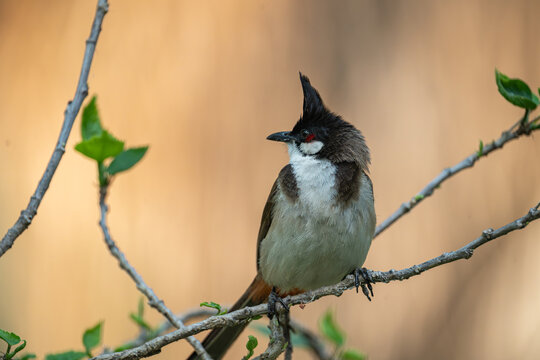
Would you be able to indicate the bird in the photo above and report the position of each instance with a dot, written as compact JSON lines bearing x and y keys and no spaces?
{"x":319,"y":219}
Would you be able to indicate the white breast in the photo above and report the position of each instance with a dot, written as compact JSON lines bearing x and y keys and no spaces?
{"x":315,"y":241}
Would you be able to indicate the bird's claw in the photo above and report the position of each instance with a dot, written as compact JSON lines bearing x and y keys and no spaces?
{"x":273,"y":299}
{"x":367,"y":289}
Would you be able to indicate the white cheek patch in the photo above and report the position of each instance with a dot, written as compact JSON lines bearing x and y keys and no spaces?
{"x":311,"y":148}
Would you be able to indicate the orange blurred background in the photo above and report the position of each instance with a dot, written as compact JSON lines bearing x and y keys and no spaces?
{"x":203,"y":83}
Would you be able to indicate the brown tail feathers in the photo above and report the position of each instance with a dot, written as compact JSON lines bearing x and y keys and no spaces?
{"x":219,"y":340}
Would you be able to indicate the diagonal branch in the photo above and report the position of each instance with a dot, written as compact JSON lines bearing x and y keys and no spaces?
{"x":242,"y":315}
{"x":153,"y":300}
{"x":522,"y":127}
{"x":72,"y":109}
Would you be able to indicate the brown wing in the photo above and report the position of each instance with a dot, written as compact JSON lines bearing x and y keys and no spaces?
{"x":266,"y":219}
{"x":287,"y":184}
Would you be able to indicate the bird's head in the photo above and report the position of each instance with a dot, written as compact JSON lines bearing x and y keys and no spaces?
{"x":322,"y":134}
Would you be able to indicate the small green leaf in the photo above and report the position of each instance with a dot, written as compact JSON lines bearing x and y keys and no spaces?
{"x":17,"y":349}
{"x":330,"y":329}
{"x":419,"y":197}
{"x":100,"y":147}
{"x":214,"y":305}
{"x":261,"y":328}
{"x":126,"y":159}
{"x":250,"y":346}
{"x":140,"y":321}
{"x":297,"y":340}
{"x":256,"y":317}
{"x":68,"y":355}
{"x":9,"y":337}
{"x":516,"y":91}
{"x":480,"y":151}
{"x":140,"y":308}
{"x":27,"y":356}
{"x":124,"y":347}
{"x":353,"y":354}
{"x":91,"y":125}
{"x":92,"y":338}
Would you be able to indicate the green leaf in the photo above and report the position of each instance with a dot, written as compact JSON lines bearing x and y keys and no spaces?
{"x":480,"y":151}
{"x":124,"y":347}
{"x":100,"y":147}
{"x":330,"y":329}
{"x":140,"y":308}
{"x":353,"y":354}
{"x":17,"y":349}
{"x":27,"y":356}
{"x":126,"y":159}
{"x":68,"y":355}
{"x":256,"y":317}
{"x":418,"y":197}
{"x":516,"y":91}
{"x":214,"y":305}
{"x":91,"y":125}
{"x":250,"y":346}
{"x":9,"y":337}
{"x":261,"y":328}
{"x":297,"y":340}
{"x":92,"y":338}
{"x":140,"y":321}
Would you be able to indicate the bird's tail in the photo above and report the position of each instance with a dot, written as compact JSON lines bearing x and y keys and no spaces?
{"x":220,"y":340}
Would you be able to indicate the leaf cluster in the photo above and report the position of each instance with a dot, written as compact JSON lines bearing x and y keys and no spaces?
{"x":100,"y":145}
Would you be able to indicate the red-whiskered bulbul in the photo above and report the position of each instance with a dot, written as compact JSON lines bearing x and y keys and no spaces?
{"x":319,"y":219}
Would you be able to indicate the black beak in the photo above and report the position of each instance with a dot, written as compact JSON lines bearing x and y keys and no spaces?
{"x":284,"y":136}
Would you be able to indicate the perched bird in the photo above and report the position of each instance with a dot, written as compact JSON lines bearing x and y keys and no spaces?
{"x":319,"y":218}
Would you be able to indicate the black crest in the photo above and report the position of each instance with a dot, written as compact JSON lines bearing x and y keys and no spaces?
{"x":312,"y":100}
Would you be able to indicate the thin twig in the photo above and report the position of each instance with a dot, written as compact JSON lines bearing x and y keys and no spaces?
{"x":72,"y":109}
{"x":239,"y":316}
{"x":277,"y":338}
{"x":153,"y":300}
{"x":520,"y":128}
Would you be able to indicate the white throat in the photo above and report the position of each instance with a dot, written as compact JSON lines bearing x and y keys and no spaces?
{"x":315,"y":179}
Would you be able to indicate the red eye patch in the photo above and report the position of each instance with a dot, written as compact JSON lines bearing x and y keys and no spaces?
{"x":309,"y":138}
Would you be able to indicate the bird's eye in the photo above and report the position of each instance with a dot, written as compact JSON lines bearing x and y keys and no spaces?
{"x":308,"y":135}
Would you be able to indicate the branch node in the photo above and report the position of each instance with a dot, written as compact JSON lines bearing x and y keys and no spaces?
{"x":27,"y":216}
{"x":487,"y":234}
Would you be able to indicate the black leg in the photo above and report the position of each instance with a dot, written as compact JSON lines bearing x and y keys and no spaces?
{"x":366,"y":285}
{"x":273,"y":299}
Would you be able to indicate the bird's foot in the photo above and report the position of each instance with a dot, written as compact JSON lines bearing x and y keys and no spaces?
{"x":366,"y":284}
{"x":273,"y":299}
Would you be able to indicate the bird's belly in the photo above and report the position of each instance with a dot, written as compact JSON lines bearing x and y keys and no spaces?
{"x":309,"y":249}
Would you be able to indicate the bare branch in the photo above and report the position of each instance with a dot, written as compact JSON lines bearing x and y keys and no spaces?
{"x":244,"y":314}
{"x":520,"y":128}
{"x":72,"y":109}
{"x":277,"y":339}
{"x":153,"y":300}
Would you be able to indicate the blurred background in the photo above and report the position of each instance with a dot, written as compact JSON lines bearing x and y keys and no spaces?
{"x":203,"y":83}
